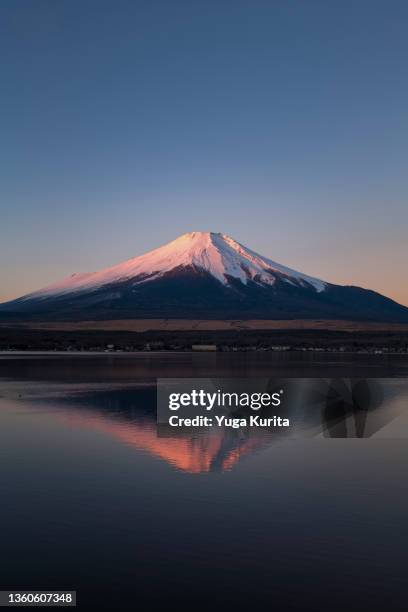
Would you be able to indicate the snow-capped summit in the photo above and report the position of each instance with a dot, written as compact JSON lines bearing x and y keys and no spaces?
{"x":218,"y":254}
{"x":200,"y":275}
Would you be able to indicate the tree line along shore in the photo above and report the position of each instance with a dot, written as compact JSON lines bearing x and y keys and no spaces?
{"x":20,"y":339}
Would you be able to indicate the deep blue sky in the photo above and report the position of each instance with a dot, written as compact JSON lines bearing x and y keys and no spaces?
{"x":282,"y":123}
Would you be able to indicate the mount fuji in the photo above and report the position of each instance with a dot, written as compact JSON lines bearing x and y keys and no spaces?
{"x":201,"y":275}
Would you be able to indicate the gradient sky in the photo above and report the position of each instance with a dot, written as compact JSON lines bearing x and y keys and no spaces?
{"x":280,"y":122}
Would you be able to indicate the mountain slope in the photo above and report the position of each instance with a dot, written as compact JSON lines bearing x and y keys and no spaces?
{"x":201,"y":275}
{"x":217,"y":254}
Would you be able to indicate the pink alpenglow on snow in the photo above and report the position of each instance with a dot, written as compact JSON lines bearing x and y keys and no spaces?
{"x":218,"y":254}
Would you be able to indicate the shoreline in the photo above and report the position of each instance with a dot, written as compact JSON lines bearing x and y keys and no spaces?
{"x":120,"y":352}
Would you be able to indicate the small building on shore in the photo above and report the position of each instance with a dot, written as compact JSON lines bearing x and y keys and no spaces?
{"x":204,"y":347}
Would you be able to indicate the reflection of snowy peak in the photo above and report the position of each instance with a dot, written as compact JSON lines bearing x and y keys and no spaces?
{"x":218,"y":254}
{"x":200,"y":275}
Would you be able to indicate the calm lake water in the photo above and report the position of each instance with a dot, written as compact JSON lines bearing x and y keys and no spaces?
{"x":94,"y":500}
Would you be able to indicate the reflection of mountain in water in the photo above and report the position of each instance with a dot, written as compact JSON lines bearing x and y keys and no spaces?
{"x":332,"y":408}
{"x":217,"y":451}
{"x":131,"y":417}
